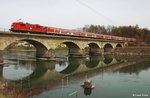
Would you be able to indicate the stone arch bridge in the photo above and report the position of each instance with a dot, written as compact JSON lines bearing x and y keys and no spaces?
{"x":46,"y":44}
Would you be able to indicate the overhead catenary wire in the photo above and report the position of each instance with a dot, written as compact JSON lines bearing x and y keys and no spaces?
{"x":95,"y":11}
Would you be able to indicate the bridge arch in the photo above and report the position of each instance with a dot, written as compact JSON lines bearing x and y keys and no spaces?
{"x":125,"y":45}
{"x":73,"y":49}
{"x":71,"y":45}
{"x":108,"y":47}
{"x":41,"y":49}
{"x":94,"y":49}
{"x":119,"y":46}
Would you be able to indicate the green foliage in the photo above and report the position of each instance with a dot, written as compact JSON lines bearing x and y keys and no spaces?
{"x":3,"y":96}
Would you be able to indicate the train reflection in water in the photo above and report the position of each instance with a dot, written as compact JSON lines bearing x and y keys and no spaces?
{"x":32,"y":77}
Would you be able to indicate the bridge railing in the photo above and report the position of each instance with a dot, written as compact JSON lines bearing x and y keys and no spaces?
{"x":4,"y":29}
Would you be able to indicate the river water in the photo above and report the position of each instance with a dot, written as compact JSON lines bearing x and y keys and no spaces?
{"x":24,"y":76}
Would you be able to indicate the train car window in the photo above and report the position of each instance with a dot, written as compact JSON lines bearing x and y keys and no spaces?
{"x":37,"y":26}
{"x":33,"y":26}
{"x":45,"y":28}
{"x":27,"y":24}
{"x":59,"y":31}
{"x":22,"y":24}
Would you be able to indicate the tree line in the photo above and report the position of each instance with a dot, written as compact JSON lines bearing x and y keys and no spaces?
{"x":123,"y":31}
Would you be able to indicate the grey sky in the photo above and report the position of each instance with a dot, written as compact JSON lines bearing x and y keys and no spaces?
{"x":76,"y":13}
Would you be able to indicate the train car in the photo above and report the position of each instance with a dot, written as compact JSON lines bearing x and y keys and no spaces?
{"x":128,"y":39}
{"x":58,"y":31}
{"x":88,"y":34}
{"x":64,"y":32}
{"x":113,"y":37}
{"x":117,"y":38}
{"x":107,"y":37}
{"x":53,"y":30}
{"x":82,"y":34}
{"x":74,"y":34}
{"x":133,"y":39}
{"x":36,"y":28}
{"x":50,"y":30}
{"x":120,"y":38}
{"x":100,"y":36}
{"x":26,"y":27}
{"x":139,"y":40}
{"x":124,"y":38}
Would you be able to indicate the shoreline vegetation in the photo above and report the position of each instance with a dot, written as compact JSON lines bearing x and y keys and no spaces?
{"x":133,"y":51}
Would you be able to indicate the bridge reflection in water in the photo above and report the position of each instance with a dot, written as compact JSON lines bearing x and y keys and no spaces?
{"x":31,"y":77}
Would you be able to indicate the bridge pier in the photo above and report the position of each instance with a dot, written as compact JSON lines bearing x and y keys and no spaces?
{"x":96,"y":52}
{"x":109,"y":51}
{"x":86,"y":52}
{"x":77,"y":53}
{"x":1,"y":55}
{"x":43,"y":53}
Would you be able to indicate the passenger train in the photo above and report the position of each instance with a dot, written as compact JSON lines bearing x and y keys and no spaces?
{"x":39,"y":29}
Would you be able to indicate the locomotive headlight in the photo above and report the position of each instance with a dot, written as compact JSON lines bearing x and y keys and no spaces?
{"x":30,"y":28}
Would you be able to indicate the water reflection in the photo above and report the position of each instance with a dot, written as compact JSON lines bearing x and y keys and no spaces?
{"x":87,"y":91}
{"x":135,"y":68}
{"x":33,"y":77}
{"x":18,"y":71}
{"x":92,"y":62}
{"x":108,"y":59}
{"x":73,"y":64}
{"x":61,"y":66}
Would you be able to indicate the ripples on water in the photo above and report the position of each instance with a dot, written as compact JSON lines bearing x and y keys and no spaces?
{"x":113,"y":77}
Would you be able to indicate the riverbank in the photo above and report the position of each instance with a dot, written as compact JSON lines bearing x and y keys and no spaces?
{"x":133,"y":51}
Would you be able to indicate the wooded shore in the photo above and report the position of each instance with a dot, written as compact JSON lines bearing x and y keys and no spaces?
{"x":133,"y":51}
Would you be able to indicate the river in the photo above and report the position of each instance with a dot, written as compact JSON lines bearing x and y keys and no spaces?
{"x":24,"y":76}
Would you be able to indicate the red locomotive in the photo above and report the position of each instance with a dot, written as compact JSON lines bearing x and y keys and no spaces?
{"x":26,"y":27}
{"x":36,"y":28}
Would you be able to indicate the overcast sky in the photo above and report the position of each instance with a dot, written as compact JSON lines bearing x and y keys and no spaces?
{"x":73,"y":14}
